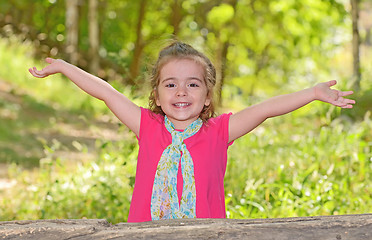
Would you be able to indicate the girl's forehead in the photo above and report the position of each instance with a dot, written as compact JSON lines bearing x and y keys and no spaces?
{"x":182,"y":67}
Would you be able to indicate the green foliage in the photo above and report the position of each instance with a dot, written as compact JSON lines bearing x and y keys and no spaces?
{"x":98,"y":189}
{"x":271,"y":40}
{"x":298,"y":169}
{"x":16,"y":56}
{"x":363,"y":98}
{"x":220,"y":15}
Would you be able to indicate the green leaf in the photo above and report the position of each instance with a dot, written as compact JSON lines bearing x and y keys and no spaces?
{"x":220,"y":15}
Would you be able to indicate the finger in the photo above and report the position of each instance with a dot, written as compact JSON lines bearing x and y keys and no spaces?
{"x":350,"y":101}
{"x":36,"y":72}
{"x":346,"y":93}
{"x":32,"y":71}
{"x":347,"y":106}
{"x":344,"y":103}
{"x":39,"y":72}
{"x":331,"y":83}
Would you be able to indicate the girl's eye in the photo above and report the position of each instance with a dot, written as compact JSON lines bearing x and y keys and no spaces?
{"x":170,"y":85}
{"x":193,"y":85}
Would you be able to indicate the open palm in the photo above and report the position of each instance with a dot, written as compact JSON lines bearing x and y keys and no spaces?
{"x":323,"y":92}
{"x":48,"y":70}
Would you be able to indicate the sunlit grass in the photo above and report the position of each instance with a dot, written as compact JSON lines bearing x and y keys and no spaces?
{"x":56,"y":90}
{"x":304,"y":170}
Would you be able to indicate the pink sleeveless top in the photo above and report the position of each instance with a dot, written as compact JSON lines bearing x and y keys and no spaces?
{"x":208,"y":149}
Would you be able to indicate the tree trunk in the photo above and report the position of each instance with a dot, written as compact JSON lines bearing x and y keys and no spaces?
{"x":93,"y":37}
{"x":176,"y":17}
{"x":350,"y":227}
{"x":72,"y":30}
{"x":138,"y":46}
{"x":29,"y":13}
{"x":368,"y":40}
{"x":261,"y":60}
{"x":220,"y":69}
{"x":221,"y":61}
{"x":356,"y":44}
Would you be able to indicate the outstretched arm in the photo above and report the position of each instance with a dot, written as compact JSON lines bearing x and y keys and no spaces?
{"x":120,"y":105}
{"x":246,"y":120}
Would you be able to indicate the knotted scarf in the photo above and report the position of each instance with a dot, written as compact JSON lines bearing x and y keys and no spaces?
{"x":164,"y":199}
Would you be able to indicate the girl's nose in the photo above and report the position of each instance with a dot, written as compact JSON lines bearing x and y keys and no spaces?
{"x":181,"y":91}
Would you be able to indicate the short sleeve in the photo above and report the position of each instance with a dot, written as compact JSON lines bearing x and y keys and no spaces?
{"x":221,"y":123}
{"x":148,"y":118}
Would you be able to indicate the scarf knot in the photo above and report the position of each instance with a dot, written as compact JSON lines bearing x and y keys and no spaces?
{"x":164,"y":198}
{"x":177,"y":139}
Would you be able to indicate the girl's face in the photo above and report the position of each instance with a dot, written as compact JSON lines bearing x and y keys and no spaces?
{"x":182,"y":92}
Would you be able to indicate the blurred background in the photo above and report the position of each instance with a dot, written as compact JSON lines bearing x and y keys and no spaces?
{"x":64,"y":155}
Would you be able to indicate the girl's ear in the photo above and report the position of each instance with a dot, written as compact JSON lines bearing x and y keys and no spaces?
{"x":156,"y":97}
{"x":207,"y":101}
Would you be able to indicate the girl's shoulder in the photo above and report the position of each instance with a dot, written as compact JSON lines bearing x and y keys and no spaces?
{"x":151,"y":124}
{"x":147,"y":116}
{"x":218,"y":128}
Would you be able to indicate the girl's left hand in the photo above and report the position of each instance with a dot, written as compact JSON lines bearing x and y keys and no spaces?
{"x":52,"y":68}
{"x":323,"y":92}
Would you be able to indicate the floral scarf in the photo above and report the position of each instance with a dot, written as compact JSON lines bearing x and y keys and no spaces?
{"x":164,"y":199}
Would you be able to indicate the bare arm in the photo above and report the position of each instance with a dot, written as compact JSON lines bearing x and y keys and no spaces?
{"x":246,"y":120}
{"x":124,"y":109}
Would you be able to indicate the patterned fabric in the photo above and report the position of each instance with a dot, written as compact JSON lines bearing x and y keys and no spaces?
{"x":164,"y":199}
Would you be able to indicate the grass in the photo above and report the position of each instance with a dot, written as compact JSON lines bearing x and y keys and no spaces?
{"x":21,"y":116}
{"x":33,"y":111}
{"x":56,"y":91}
{"x":302,"y":171}
{"x":316,"y":161}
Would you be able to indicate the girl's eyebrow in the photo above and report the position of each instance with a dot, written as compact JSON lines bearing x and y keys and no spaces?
{"x":195,"y":78}
{"x":167,"y":79}
{"x":174,"y":78}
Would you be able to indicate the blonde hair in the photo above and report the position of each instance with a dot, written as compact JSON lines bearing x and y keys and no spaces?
{"x":179,"y":50}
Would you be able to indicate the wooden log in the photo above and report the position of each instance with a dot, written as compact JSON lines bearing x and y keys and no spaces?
{"x":352,"y":227}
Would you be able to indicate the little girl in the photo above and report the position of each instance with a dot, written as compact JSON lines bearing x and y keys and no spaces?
{"x":182,"y":145}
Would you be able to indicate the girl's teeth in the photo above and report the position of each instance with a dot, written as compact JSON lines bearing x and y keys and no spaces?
{"x":181,"y":104}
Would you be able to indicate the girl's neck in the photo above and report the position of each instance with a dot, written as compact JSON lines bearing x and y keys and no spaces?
{"x":180,"y":126}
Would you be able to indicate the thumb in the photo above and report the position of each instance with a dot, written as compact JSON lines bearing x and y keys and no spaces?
{"x":331,"y":83}
{"x":49,"y":60}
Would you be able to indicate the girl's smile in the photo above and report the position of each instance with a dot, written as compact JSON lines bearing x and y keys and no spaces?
{"x":182,"y":92}
{"x":181,"y":105}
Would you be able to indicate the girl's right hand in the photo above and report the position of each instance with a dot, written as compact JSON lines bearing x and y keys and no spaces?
{"x":52,"y":68}
{"x":324,"y":93}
